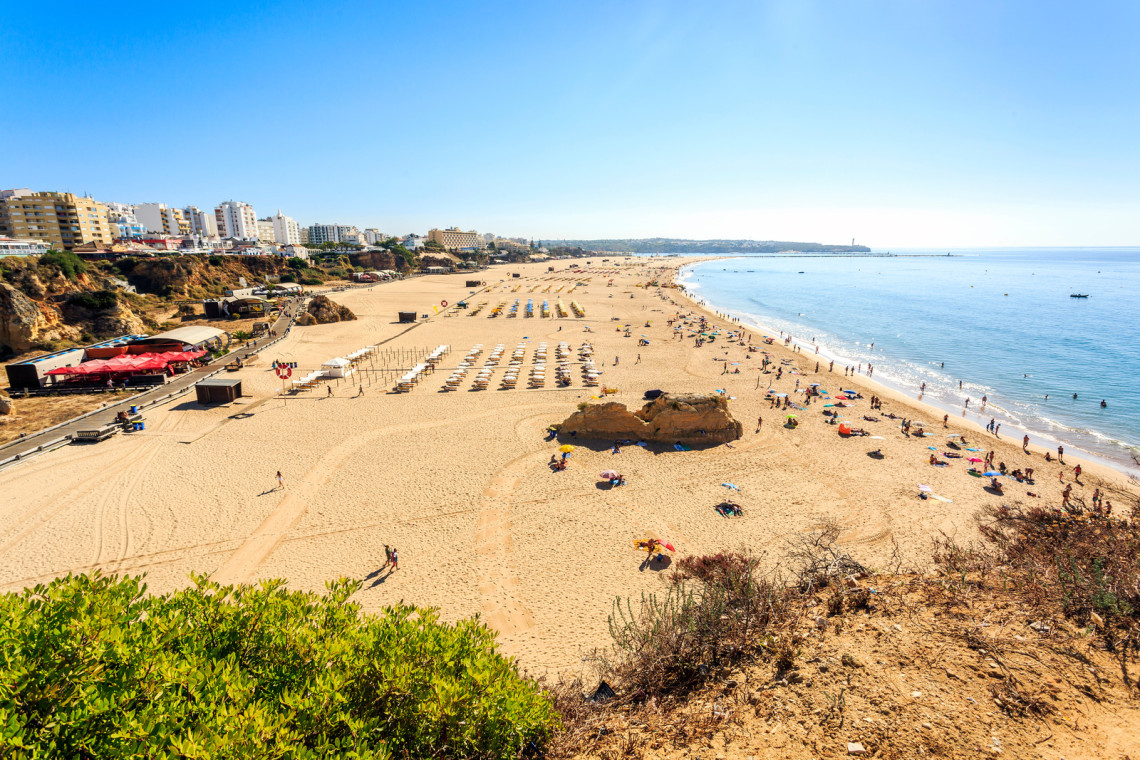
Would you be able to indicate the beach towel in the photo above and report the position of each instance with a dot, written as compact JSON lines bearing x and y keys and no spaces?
{"x":642,"y":444}
{"x":679,"y":447}
{"x":941,"y":498}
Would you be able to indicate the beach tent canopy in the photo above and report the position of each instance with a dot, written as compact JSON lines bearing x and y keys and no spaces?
{"x":336,"y":362}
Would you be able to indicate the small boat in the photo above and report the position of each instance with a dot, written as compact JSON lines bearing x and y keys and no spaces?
{"x":1078,"y":295}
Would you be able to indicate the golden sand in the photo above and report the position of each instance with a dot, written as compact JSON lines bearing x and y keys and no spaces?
{"x":459,"y":482}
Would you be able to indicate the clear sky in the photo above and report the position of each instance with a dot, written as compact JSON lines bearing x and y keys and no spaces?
{"x":897,"y":123}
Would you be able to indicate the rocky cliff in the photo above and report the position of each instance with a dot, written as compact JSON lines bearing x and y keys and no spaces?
{"x":322,"y":310}
{"x":379,"y":259}
{"x":25,"y":323}
{"x":690,"y":418}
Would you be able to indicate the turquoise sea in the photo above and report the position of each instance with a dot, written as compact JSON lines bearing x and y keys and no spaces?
{"x":999,"y":321}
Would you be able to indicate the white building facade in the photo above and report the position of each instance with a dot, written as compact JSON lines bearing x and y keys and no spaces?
{"x":236,"y":220}
{"x":286,"y":231}
{"x":202,"y":223}
{"x":159,"y":218}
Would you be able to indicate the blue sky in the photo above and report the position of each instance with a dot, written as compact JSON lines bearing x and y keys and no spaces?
{"x":896,"y":123}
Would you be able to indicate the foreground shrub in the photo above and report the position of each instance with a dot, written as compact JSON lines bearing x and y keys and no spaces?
{"x":1084,"y":564}
{"x":718,"y":611}
{"x":92,"y":666}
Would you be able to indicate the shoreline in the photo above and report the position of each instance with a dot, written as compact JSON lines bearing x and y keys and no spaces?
{"x":1086,"y":457}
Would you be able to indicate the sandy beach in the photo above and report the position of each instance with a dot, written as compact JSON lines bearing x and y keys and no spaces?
{"x":459,"y":481}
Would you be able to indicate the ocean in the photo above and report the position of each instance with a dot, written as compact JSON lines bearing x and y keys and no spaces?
{"x":1000,"y":322}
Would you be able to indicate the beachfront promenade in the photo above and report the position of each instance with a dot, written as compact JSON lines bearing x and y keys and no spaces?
{"x":30,"y":445}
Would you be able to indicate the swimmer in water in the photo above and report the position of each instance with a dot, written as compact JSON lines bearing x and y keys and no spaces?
{"x":1102,"y":404}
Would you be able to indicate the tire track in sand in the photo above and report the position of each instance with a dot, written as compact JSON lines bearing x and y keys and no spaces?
{"x":243,"y":563}
{"x":497,"y":579}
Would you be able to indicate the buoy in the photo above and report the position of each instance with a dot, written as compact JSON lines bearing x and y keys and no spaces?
{"x":443,"y":304}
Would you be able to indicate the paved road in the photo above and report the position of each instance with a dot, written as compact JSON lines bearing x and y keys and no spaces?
{"x":32,"y":443}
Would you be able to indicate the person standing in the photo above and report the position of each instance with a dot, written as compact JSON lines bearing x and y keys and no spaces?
{"x":395,"y":560}
{"x":1061,"y":454}
{"x":759,"y":422}
{"x":387,"y":556}
{"x":996,"y":429}
{"x":1077,"y":473}
{"x":280,"y":481}
{"x":1025,"y":443}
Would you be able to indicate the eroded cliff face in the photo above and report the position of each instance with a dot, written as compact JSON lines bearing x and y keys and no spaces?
{"x":25,"y":323}
{"x":690,"y":418}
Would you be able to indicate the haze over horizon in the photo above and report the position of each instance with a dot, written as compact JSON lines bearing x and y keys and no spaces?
{"x":897,"y":124}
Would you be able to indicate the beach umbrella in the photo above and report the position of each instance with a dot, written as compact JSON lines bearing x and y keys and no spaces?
{"x":609,"y":475}
{"x":791,"y":416}
{"x":992,"y":474}
{"x":815,"y":385}
{"x":668,"y":546}
{"x":973,"y":459}
{"x":781,"y":395}
{"x":928,"y":489}
{"x":730,"y":485}
{"x":566,"y":449}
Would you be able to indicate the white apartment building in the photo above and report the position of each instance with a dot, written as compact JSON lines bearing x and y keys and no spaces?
{"x":236,"y":220}
{"x":286,"y":231}
{"x":331,"y":233}
{"x":373,"y":236}
{"x":202,"y":223}
{"x":160,"y":219}
{"x":265,"y":231}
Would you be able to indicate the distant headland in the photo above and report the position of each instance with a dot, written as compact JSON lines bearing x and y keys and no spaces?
{"x":679,"y":245}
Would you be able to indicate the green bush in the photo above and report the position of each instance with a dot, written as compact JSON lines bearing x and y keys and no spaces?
{"x":296,"y":262}
{"x":287,"y":277}
{"x":69,"y":265}
{"x":92,"y":666}
{"x":310,"y":280}
{"x":97,"y":301}
{"x":215,"y":261}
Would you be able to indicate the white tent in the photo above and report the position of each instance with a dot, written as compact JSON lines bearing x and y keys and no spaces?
{"x":337,"y":367}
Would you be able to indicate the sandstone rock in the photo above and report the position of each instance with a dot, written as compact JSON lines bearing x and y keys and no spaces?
{"x":690,"y":418}
{"x":322,"y":311}
{"x":7,"y":406}
{"x":850,"y":661}
{"x":23,"y":322}
{"x":119,"y":321}
{"x":855,"y":748}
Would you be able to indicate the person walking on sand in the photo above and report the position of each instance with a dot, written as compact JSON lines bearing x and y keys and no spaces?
{"x":387,"y":556}
{"x":1025,"y":443}
{"x":1061,"y":454}
{"x":945,"y":420}
{"x":329,"y":389}
{"x":759,"y":422}
{"x":1077,"y":473}
{"x":360,"y":390}
{"x":395,"y":560}
{"x":996,"y":429}
{"x":280,"y":481}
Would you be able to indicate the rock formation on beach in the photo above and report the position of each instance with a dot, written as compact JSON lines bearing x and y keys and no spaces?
{"x":7,"y":406}
{"x":322,"y":310}
{"x":691,"y":418}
